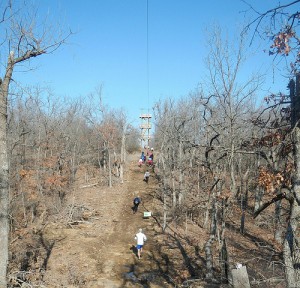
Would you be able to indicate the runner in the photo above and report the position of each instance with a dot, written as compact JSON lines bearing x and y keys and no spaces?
{"x":140,"y":237}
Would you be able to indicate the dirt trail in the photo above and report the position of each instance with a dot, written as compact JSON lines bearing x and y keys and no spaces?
{"x":99,"y":252}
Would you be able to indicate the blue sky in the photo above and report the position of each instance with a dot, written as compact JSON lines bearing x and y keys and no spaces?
{"x":109,"y":48}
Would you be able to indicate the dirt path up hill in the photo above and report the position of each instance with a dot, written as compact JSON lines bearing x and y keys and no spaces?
{"x":98,"y":252}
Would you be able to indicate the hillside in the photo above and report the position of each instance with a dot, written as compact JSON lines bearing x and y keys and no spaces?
{"x":96,"y":248}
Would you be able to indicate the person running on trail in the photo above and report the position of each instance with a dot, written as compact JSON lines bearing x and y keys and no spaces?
{"x":136,"y":202}
{"x":146,"y":176}
{"x":140,"y":162}
{"x":150,"y":161}
{"x":143,"y":156}
{"x":140,"y":237}
{"x":151,"y":158}
{"x":151,"y":154}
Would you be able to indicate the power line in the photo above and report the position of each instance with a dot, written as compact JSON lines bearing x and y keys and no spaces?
{"x":147,"y":48}
{"x":145,"y":125}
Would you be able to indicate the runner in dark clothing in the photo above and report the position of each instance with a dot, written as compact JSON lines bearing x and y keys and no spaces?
{"x":136,"y":202}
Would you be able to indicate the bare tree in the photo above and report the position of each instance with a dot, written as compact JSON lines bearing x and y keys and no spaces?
{"x":233,"y":98}
{"x":23,"y":41}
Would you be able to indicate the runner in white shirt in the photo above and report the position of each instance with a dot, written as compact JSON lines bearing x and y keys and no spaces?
{"x":140,"y":237}
{"x":146,"y":176}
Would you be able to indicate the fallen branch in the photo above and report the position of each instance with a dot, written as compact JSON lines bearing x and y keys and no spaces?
{"x":270,"y":280}
{"x":77,"y":222}
{"x":90,"y":185}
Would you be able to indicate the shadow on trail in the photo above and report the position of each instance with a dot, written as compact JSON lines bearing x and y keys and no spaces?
{"x":134,"y":250}
{"x":143,"y":276}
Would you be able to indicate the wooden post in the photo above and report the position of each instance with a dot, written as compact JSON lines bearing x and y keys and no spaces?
{"x":240,"y":277}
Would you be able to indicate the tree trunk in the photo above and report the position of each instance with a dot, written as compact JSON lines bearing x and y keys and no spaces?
{"x":232,"y":173}
{"x":259,"y":192}
{"x":206,"y":216}
{"x":4,"y":184}
{"x":181,"y":192}
{"x":292,"y":239}
{"x":223,"y":257}
{"x":278,"y":223}
{"x":123,"y":155}
{"x":164,"y":196}
{"x":174,"y":198}
{"x":104,"y":158}
{"x":224,"y":262}
{"x":165,"y":211}
{"x":244,"y":199}
{"x":208,"y":249}
{"x":109,"y":169}
{"x":73,"y":164}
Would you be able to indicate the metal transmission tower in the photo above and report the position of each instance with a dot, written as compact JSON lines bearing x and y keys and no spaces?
{"x":145,"y":129}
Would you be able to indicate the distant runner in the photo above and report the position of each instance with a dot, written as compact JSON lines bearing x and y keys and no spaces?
{"x":140,"y":237}
{"x":146,"y":176}
{"x":140,"y":162}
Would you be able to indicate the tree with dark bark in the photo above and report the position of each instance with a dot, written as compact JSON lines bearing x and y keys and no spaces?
{"x":23,"y":42}
{"x":285,"y":42}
